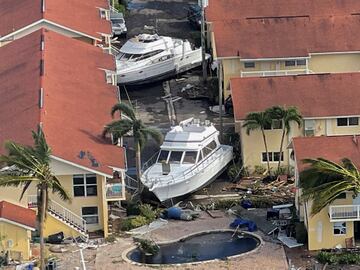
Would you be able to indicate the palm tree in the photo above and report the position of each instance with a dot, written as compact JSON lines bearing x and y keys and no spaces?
{"x":255,"y":121}
{"x":129,"y":123}
{"x":31,"y":165}
{"x":323,"y":181}
{"x":286,"y":116}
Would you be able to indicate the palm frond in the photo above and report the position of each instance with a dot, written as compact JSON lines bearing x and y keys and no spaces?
{"x":41,"y":149}
{"x":125,"y":109}
{"x":323,"y":181}
{"x":16,"y":180}
{"x":118,"y":128}
{"x":153,"y":133}
{"x":60,"y":190}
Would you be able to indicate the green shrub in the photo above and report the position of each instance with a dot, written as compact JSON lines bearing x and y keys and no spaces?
{"x":259,"y":169}
{"x":147,"y":246}
{"x":233,"y":171}
{"x":226,"y":204}
{"x":147,"y":211}
{"x":261,"y":202}
{"x":326,"y":257}
{"x":120,"y":7}
{"x":338,"y":258}
{"x":132,"y":223}
{"x":110,"y":239}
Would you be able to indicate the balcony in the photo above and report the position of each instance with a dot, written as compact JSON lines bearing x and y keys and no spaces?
{"x":264,"y":73}
{"x":115,"y":189}
{"x":341,"y":213}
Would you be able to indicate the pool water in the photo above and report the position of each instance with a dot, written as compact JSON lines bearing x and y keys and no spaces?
{"x":202,"y":247}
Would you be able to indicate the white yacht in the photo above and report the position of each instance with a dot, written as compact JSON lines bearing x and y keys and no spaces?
{"x":146,"y":58}
{"x":190,"y":158}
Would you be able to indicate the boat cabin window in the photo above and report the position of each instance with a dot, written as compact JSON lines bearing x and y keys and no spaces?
{"x":163,"y":156}
{"x":209,"y":148}
{"x":148,"y":55}
{"x":175,"y":156}
{"x":190,"y":157}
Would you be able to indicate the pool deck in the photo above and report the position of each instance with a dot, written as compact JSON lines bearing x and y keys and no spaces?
{"x":269,"y":256}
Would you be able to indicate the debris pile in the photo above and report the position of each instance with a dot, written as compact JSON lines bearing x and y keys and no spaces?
{"x":263,"y":194}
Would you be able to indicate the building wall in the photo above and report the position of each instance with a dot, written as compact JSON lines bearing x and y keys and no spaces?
{"x":252,"y":145}
{"x":320,"y":229}
{"x":19,"y":236}
{"x":349,"y":62}
{"x":53,"y":225}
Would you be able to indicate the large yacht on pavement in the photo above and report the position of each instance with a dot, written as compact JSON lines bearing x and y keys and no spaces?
{"x":147,"y":58}
{"x":190,"y":158}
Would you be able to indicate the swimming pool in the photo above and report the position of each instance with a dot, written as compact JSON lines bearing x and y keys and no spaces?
{"x":200,"y":247}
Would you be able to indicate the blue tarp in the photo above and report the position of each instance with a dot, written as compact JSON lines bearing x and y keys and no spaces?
{"x":251,"y":226}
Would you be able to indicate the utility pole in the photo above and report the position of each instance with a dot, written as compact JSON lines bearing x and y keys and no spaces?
{"x":204,"y":66}
{"x":220,"y":99}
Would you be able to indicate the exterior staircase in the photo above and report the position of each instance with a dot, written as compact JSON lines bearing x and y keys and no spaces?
{"x":62,"y":214}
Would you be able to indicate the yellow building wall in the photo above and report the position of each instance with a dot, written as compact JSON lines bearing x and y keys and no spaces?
{"x":53,"y":225}
{"x":325,"y":238}
{"x":253,"y":145}
{"x":12,"y":195}
{"x":19,"y":236}
{"x":349,"y":62}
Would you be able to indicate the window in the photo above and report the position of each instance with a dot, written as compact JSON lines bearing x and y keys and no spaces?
{"x":295,"y":63}
{"x":175,"y":156}
{"x":290,"y":63}
{"x":275,"y":124}
{"x":163,"y":156}
{"x":273,"y":156}
{"x":90,"y":214}
{"x":84,"y":185}
{"x":301,"y":62}
{"x":309,"y":128}
{"x":249,"y":64}
{"x":339,"y":228}
{"x":209,"y":148}
{"x":190,"y":157}
{"x":347,"y":121}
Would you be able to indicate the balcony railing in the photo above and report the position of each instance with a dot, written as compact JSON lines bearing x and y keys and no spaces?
{"x":344,"y":213}
{"x":115,"y":191}
{"x":264,"y":73}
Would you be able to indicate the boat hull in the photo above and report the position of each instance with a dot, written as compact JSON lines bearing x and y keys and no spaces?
{"x":160,"y":71}
{"x":196,"y":182}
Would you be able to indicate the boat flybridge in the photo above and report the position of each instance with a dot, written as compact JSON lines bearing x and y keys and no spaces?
{"x":147,"y":58}
{"x":190,"y":158}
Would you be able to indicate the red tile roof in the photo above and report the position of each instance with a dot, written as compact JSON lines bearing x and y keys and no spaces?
{"x":333,"y":148}
{"x":286,"y":37}
{"x":17,"y":214}
{"x":77,"y":99}
{"x":81,"y":16}
{"x":220,"y":10}
{"x":316,"y":95}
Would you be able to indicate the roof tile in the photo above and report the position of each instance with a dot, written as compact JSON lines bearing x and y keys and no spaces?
{"x":18,"y":214}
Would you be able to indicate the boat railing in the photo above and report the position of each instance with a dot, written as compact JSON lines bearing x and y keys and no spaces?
{"x":193,"y":170}
{"x":151,"y":161}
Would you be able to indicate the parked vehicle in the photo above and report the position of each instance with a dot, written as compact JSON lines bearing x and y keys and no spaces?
{"x":118,"y":23}
{"x":190,"y":158}
{"x":194,"y":15}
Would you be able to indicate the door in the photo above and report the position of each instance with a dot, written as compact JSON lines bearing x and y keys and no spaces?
{"x":357,"y":232}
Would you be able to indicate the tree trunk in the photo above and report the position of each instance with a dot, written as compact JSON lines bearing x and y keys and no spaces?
{"x":267,"y":152}
{"x":138,"y":165}
{"x":42,"y":209}
{"x":281,"y":147}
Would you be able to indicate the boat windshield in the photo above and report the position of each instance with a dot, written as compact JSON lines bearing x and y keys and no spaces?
{"x":209,"y":148}
{"x":137,"y":57}
{"x":175,"y":156}
{"x":163,"y":156}
{"x":190,"y":157}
